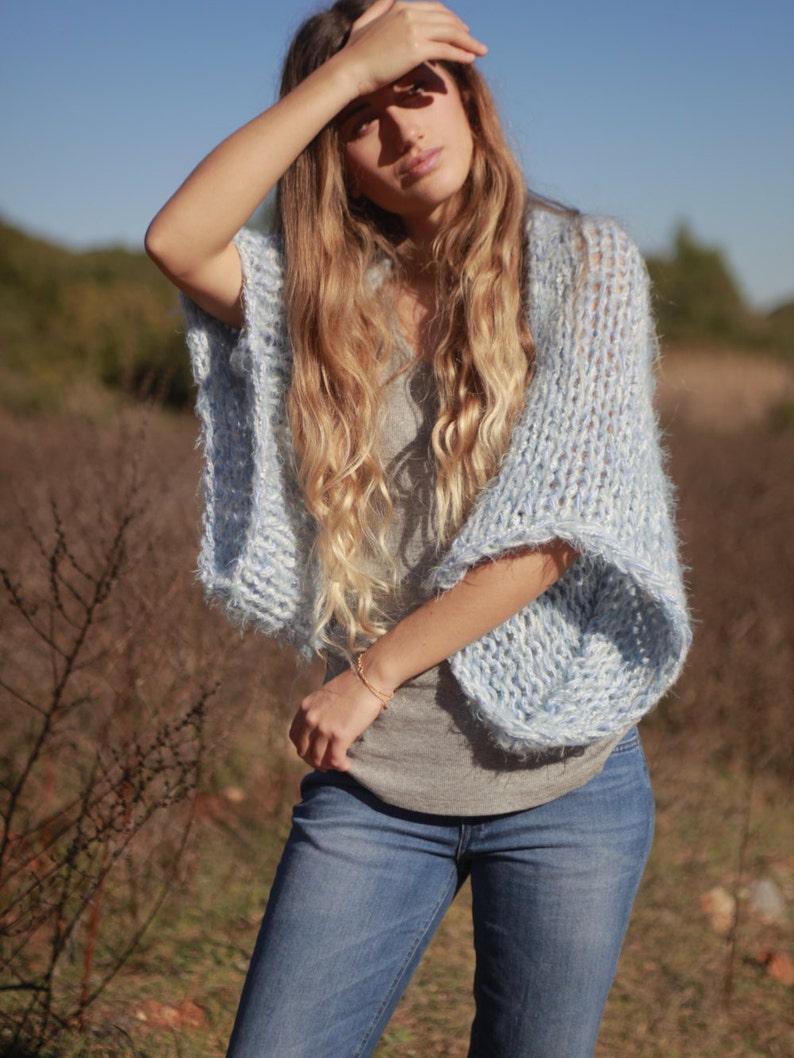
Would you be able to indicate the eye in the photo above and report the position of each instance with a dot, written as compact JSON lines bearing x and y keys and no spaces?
{"x":356,"y":125}
{"x":360,"y":127}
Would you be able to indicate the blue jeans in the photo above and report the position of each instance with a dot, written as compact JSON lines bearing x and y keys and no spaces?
{"x":362,"y":887}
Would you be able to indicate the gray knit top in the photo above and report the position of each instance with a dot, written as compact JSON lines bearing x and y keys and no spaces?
{"x":597,"y":650}
{"x":426,"y":752}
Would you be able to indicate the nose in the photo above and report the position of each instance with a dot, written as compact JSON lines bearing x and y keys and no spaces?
{"x":405,"y":129}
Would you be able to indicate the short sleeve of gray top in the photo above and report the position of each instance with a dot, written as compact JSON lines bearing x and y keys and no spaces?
{"x":427,"y":752}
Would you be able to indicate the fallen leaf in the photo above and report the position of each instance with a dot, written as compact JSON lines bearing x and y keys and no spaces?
{"x":165,"y":1016}
{"x":778,"y":965}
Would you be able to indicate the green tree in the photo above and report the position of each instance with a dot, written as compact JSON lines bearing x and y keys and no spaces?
{"x":105,"y":316}
{"x":697,"y":297}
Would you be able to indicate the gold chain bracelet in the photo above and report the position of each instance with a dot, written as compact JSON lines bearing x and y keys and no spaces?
{"x":382,"y":696}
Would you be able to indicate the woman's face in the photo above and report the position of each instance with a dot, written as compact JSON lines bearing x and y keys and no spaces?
{"x":408,"y":148}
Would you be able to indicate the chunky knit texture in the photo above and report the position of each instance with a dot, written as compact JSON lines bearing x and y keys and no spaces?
{"x":596,"y":651}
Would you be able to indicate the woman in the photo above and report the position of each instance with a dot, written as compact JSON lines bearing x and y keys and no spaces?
{"x":431,"y":454}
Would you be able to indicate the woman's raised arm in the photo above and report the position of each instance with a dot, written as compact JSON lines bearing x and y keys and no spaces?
{"x":190,"y":239}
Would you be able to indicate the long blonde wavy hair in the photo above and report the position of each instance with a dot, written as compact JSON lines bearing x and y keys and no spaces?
{"x":343,"y":256}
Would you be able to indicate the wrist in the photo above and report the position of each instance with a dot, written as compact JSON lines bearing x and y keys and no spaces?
{"x":341,"y":78}
{"x":382,"y":694}
{"x":380,"y":667}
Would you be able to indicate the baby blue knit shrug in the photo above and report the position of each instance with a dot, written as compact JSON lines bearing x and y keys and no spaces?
{"x":600,"y":647}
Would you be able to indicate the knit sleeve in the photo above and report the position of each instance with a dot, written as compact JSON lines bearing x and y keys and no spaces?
{"x":596,"y":651}
{"x":256,"y":533}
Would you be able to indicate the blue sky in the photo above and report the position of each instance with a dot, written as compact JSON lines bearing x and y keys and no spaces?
{"x":652,"y":113}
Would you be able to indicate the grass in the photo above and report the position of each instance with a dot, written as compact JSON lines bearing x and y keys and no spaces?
{"x":672,"y":994}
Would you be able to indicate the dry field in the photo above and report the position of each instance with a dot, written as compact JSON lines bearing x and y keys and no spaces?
{"x":705,"y":968}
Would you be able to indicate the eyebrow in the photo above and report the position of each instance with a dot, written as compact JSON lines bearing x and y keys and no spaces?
{"x":356,"y":107}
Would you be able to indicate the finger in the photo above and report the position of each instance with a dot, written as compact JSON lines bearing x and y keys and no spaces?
{"x":296,"y":728}
{"x":454,"y":44}
{"x":421,"y":26}
{"x":451,"y":53}
{"x":317,"y":751}
{"x":335,"y":756}
{"x":451,"y":31}
{"x":301,"y":735}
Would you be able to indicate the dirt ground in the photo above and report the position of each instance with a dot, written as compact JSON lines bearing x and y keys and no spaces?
{"x":721,"y":392}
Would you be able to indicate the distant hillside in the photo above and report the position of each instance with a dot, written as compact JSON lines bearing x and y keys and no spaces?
{"x":107,"y":319}
{"x":781,"y":323}
{"x":67,"y":319}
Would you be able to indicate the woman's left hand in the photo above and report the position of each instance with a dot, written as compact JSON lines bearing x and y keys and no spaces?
{"x":330,"y":719}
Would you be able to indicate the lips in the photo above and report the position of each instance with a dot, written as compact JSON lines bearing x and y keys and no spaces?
{"x":420,"y":164}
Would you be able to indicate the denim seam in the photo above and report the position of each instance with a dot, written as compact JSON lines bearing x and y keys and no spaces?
{"x":464,"y":840}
